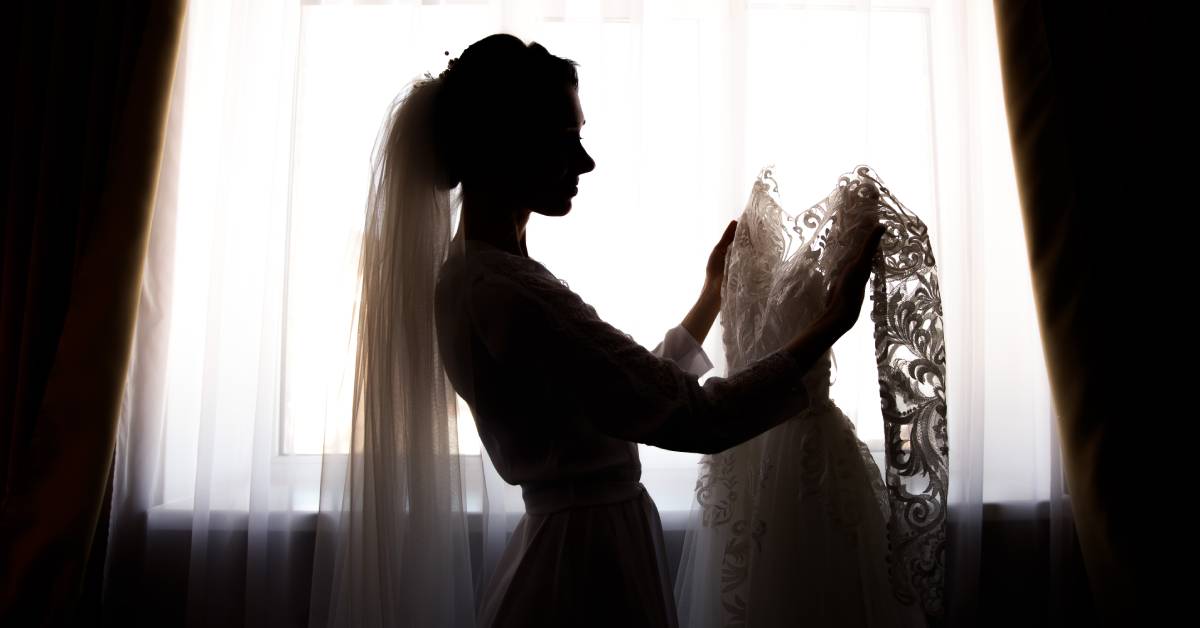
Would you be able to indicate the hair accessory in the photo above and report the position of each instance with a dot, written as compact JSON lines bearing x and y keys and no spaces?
{"x":449,"y":65}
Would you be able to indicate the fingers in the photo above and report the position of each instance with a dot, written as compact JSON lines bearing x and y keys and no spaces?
{"x":869,"y":246}
{"x":727,"y":237}
{"x":860,"y":268}
{"x":716,"y":260}
{"x":876,"y":237}
{"x":846,"y":298}
{"x":879,"y":231}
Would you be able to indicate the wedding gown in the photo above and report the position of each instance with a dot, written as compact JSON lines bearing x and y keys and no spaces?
{"x":560,"y":399}
{"x":798,"y":527}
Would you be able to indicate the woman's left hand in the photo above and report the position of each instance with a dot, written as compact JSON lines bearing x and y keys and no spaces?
{"x":715,"y":273}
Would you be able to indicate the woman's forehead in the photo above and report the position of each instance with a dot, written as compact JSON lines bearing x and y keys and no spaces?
{"x":577,"y":119}
{"x":557,"y":111}
{"x":567,"y":112}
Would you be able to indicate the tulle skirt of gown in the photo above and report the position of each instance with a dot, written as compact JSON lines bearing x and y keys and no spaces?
{"x":793,"y":534}
{"x":592,"y":558}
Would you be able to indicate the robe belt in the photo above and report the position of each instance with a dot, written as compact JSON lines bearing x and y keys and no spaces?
{"x":554,"y":495}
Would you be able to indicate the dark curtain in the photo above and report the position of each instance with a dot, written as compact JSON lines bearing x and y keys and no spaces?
{"x":1081,"y":87}
{"x":82,"y":134}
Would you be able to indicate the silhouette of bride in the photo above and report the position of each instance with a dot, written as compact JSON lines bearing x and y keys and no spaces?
{"x":560,"y":397}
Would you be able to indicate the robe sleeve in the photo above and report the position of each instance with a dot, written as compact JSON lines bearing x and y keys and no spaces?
{"x":544,"y":332}
{"x":681,"y":348}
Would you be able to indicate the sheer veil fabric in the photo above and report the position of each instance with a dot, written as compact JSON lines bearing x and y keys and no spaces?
{"x":392,"y":545}
{"x":799,"y":526}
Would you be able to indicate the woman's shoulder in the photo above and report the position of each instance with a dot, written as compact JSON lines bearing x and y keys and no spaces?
{"x":495,"y":279}
{"x":494,"y":266}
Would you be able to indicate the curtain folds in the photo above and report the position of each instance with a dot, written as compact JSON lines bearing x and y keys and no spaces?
{"x":82,"y":145}
{"x":1078,"y":111}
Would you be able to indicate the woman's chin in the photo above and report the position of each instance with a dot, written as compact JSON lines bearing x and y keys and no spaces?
{"x":561,"y":208}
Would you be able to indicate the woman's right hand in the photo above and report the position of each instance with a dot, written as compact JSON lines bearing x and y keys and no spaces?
{"x":846,"y":298}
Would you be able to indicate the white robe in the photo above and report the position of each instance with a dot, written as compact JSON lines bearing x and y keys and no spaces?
{"x":560,"y":399}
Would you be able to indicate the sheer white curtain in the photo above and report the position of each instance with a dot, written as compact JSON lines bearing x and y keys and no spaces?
{"x":243,"y":362}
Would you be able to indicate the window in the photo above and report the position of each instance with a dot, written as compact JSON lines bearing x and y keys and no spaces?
{"x":685,"y":102}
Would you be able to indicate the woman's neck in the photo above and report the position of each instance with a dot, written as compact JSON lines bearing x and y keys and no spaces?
{"x":501,"y":228}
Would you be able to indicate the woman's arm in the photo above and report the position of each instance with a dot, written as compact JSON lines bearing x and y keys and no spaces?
{"x":702,"y":315}
{"x":700,"y":319}
{"x":551,"y":340}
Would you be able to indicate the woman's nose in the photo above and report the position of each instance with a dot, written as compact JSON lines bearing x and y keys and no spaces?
{"x":585,"y":162}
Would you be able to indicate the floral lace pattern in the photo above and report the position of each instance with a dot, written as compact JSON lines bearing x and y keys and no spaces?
{"x":767,"y":298}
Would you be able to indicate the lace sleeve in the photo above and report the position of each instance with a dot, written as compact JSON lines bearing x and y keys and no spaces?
{"x":533,"y":324}
{"x":910,"y":354}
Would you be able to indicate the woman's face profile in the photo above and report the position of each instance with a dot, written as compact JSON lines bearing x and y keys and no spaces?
{"x":554,"y":158}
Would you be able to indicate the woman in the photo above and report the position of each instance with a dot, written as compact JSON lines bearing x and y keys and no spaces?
{"x":560,"y":397}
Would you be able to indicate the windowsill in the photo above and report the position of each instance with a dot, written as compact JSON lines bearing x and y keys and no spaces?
{"x":180,"y":520}
{"x":295,"y":478}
